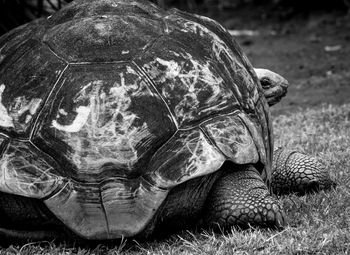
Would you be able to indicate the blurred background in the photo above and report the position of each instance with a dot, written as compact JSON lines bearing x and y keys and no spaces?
{"x":306,"y":41}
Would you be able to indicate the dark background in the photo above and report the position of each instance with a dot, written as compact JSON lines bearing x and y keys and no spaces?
{"x":16,"y":12}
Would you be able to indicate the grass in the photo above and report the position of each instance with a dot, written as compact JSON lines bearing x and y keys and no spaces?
{"x":318,"y":223}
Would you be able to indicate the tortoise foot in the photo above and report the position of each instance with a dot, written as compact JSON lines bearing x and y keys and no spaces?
{"x":240,"y":198}
{"x":295,"y":172}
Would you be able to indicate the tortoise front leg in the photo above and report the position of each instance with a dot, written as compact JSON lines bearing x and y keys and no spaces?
{"x":241,"y":198}
{"x":296,"y":172}
{"x":292,"y":171}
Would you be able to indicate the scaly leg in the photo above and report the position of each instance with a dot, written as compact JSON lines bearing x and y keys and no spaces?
{"x":241,"y":198}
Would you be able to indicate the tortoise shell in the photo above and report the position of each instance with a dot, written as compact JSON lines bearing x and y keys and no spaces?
{"x":107,"y":105}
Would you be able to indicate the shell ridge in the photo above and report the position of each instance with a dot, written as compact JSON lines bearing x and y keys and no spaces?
{"x":210,"y":140}
{"x":35,"y":124}
{"x":104,"y":211}
{"x":54,"y":53}
{"x":161,"y":147}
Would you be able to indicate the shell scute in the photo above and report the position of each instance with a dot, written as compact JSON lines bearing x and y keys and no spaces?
{"x":26,"y":171}
{"x":187,"y":81}
{"x":188,"y":154}
{"x":92,"y":39}
{"x":233,"y":138}
{"x":104,"y":120}
{"x":24,"y":86}
{"x":116,"y":207}
{"x":82,"y":9}
{"x":215,"y":44}
{"x":80,"y":209}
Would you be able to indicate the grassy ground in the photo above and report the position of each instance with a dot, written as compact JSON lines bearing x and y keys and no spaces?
{"x":314,"y":118}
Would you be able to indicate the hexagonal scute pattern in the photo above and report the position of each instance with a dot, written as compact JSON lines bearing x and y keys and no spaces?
{"x":103,"y":117}
{"x":108,"y":104}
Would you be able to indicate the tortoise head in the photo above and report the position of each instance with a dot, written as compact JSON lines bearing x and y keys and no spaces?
{"x":274,"y":85}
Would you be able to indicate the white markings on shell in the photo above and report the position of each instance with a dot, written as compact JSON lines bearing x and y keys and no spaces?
{"x":219,"y":47}
{"x":77,"y":124}
{"x":19,"y":175}
{"x":103,"y":29}
{"x":173,"y":68}
{"x":194,"y":156}
{"x":5,"y":119}
{"x":190,"y":78}
{"x":22,"y":106}
{"x":63,"y":112}
{"x":203,"y":157}
{"x":198,"y":73}
{"x":107,"y":133}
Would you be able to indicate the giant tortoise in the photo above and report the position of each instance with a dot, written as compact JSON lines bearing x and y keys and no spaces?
{"x":119,"y":119}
